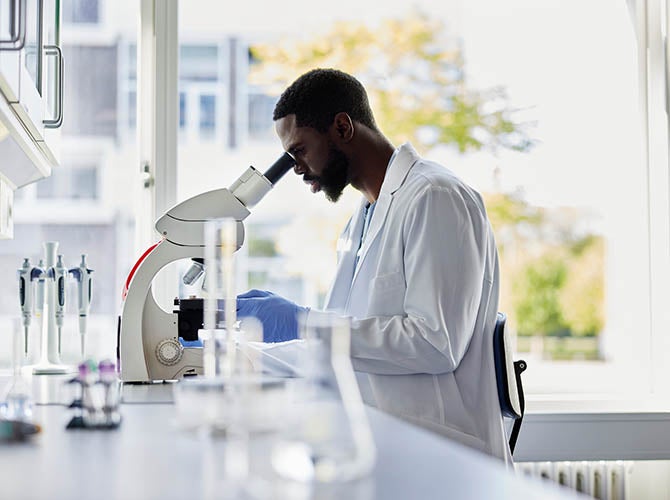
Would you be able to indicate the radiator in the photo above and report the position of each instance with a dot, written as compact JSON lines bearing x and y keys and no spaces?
{"x":606,"y":480}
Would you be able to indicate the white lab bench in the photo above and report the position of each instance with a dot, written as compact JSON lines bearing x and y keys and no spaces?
{"x":149,"y":457}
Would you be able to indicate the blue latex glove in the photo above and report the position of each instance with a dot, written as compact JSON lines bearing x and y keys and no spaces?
{"x":278,"y":315}
{"x":190,"y":343}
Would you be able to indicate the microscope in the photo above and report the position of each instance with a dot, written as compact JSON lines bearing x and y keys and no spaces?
{"x":148,"y":347}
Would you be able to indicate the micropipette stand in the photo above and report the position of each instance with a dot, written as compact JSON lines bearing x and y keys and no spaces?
{"x":50,"y":362}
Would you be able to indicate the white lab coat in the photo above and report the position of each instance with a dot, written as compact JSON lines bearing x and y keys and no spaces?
{"x":423,"y":302}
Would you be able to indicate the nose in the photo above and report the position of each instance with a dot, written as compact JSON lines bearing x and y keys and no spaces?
{"x":299,"y":169}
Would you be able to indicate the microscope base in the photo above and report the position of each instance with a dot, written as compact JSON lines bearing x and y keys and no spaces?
{"x":53,"y":369}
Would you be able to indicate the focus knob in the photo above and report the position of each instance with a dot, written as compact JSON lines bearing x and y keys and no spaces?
{"x":169,"y":351}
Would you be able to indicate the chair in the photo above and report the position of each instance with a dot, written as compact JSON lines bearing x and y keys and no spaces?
{"x":510,"y":390}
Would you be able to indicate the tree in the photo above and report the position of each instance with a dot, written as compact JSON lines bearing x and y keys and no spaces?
{"x":415,"y":77}
{"x":582,"y":296}
{"x":536,"y":296}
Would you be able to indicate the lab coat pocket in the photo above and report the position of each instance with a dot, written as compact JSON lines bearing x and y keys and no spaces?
{"x":387,"y":295}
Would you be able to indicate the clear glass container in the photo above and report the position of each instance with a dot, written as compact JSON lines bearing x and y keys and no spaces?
{"x":327,"y":436}
{"x":17,"y":398}
{"x":233,"y":401}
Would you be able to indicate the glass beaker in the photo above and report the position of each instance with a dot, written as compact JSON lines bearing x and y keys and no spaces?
{"x":327,"y":436}
{"x":232,"y":400}
{"x":220,"y":306}
{"x":18,"y":401}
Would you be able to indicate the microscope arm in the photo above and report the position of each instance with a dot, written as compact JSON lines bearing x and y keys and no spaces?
{"x":144,"y":328}
{"x":184,"y":223}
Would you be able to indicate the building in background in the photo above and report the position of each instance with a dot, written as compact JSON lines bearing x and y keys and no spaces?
{"x":585,"y":164}
{"x":87,"y":204}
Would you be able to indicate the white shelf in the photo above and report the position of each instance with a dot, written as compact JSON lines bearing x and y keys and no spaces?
{"x":22,"y":159}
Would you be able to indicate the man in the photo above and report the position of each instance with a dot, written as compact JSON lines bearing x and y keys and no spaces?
{"x":417,"y":266}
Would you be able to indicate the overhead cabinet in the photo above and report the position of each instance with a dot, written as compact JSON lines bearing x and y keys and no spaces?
{"x":31,"y":84}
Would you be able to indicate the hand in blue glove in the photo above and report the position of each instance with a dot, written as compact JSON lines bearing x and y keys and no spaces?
{"x":190,"y":343}
{"x":278,"y":315}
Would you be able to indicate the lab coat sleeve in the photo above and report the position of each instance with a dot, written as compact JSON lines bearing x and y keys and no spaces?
{"x":445,"y":234}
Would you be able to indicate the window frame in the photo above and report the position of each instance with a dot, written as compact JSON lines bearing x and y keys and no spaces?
{"x":648,"y":18}
{"x":157,"y":127}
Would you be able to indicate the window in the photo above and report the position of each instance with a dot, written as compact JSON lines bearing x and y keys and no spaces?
{"x":92,"y":102}
{"x":128,"y":88}
{"x":86,"y":205}
{"x":207,"y":113}
{"x":202,"y":90}
{"x":70,"y":183}
{"x":132,"y":109}
{"x":556,"y":149}
{"x":579,"y":194}
{"x":182,"y":110}
{"x":199,"y":63}
{"x":261,"y":106}
{"x":81,"y":11}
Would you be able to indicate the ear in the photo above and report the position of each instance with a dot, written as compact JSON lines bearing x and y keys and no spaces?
{"x":343,"y":127}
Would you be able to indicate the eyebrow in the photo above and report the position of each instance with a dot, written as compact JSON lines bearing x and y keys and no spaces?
{"x":291,"y":149}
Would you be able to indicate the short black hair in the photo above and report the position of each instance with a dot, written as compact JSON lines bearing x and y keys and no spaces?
{"x":318,"y":95}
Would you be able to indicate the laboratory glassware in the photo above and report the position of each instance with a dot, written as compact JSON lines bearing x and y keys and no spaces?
{"x":18,"y":401}
{"x":232,"y":399}
{"x":232,"y":382}
{"x":327,"y":437}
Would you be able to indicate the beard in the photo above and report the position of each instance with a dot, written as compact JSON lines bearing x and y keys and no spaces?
{"x":335,"y":175}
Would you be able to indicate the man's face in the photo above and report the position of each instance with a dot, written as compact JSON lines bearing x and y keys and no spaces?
{"x":321,"y":163}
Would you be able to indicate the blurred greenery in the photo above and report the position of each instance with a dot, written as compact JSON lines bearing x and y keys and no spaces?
{"x":582,"y":297}
{"x":257,"y":279}
{"x":562,"y":348}
{"x":552,"y":268}
{"x":415,"y":77}
{"x":262,"y":247}
{"x":536,"y":291}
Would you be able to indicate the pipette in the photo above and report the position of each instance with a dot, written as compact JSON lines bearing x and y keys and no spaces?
{"x":26,"y":300}
{"x":60,"y":273}
{"x":83,"y":276}
{"x":39,"y":274}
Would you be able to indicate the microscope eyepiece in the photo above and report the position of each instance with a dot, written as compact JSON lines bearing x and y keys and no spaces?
{"x":277,"y":170}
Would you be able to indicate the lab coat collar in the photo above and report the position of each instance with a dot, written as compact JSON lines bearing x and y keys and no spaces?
{"x":337,"y":298}
{"x":397,"y":171}
{"x":395,"y":176}
{"x":404,"y":159}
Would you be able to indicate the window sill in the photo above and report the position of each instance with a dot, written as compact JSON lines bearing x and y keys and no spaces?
{"x":594,"y":429}
{"x":595,"y":403}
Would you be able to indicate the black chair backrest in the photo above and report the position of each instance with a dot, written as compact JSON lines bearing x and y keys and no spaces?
{"x":508,"y":394}
{"x":508,"y":378}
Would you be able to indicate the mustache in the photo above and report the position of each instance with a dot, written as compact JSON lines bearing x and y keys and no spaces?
{"x":310,"y":178}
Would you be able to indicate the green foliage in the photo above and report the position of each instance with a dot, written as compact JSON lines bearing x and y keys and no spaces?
{"x":582,"y":296}
{"x":564,"y":348}
{"x":553,"y":277}
{"x":262,"y":247}
{"x":257,"y":279}
{"x":553,"y":274}
{"x":512,"y":219}
{"x":415,"y":77}
{"x":536,"y":296}
{"x":562,"y":291}
{"x":506,"y":210}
